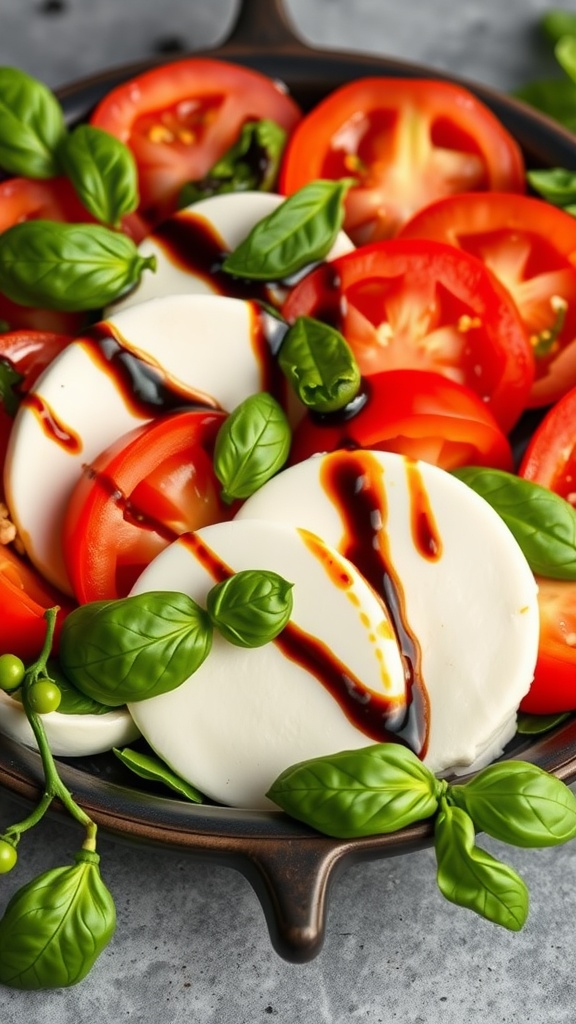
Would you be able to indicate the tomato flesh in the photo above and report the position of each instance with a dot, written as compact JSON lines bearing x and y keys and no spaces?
{"x":554,"y":686}
{"x":152,"y":485}
{"x":24,"y":597}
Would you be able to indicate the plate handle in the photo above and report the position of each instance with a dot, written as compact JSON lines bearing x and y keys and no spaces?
{"x":263,"y":25}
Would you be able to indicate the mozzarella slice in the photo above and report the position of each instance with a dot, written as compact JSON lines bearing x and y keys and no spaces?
{"x":69,"y":735}
{"x":188,"y":244}
{"x":197,"y":345}
{"x":467,"y":593}
{"x":245,"y":715}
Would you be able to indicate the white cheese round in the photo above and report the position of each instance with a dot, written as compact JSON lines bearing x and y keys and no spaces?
{"x":472,"y":607}
{"x":247,"y":714}
{"x":69,"y":735}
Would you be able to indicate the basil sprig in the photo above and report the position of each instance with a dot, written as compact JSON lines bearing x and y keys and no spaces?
{"x":385,"y":787}
{"x":556,"y":96}
{"x":543,"y":523}
{"x":153,"y":769}
{"x":252,"y":444}
{"x":70,"y":267}
{"x":320,"y":365}
{"x":252,"y":163}
{"x":250,"y":608}
{"x":31,"y":126}
{"x":103,"y":172}
{"x":556,"y":185}
{"x":135,"y":647}
{"x":300,"y":231}
{"x":9,"y":381}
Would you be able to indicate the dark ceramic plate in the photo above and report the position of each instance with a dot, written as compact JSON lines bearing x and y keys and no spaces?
{"x":290,"y":866}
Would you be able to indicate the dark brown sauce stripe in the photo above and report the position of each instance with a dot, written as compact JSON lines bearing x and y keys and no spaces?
{"x":146,"y":387}
{"x":425,"y":533}
{"x":52,"y":427}
{"x":353,"y":483}
{"x":367,"y":710}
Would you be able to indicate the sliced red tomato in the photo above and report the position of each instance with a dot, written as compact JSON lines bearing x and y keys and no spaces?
{"x":24,"y":597}
{"x":550,"y":457}
{"x":179,"y":119}
{"x":554,"y":686}
{"x":425,"y":305}
{"x":148,"y":488}
{"x":414,"y":412}
{"x":531,"y":247}
{"x":406,"y":142}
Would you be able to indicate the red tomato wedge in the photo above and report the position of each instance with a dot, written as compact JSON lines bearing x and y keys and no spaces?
{"x":417,"y":304}
{"x":531,"y":247}
{"x":24,"y":597}
{"x":414,"y":412}
{"x":407,"y":142}
{"x":152,"y":485}
{"x":179,"y":119}
{"x":554,"y":686}
{"x":550,"y":457}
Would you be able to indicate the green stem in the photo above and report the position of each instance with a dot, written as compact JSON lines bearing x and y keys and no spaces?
{"x":54,"y":787}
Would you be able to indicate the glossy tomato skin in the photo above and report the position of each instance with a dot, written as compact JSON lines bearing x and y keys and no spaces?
{"x":180,"y":118}
{"x":420,"y":304}
{"x":554,"y":686}
{"x":550,"y":456}
{"x":152,"y":485}
{"x":419,"y":414}
{"x":531,"y":247}
{"x":406,"y":142}
{"x":24,"y":597}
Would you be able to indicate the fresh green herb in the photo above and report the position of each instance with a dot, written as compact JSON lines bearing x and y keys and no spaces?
{"x":534,"y":725}
{"x":472,"y":878}
{"x":252,"y":444}
{"x":565,"y":53}
{"x":543,"y":523}
{"x":300,"y":231}
{"x":55,"y":927}
{"x":31,"y":126}
{"x":152,"y":768}
{"x":70,"y":267}
{"x":319,"y":364}
{"x":371,"y":791}
{"x":250,"y":608}
{"x":556,"y":96}
{"x":135,"y":647}
{"x":9,"y":381}
{"x":252,"y":163}
{"x":556,"y":24}
{"x":72,"y":700}
{"x":556,"y":185}
{"x":103,"y":172}
{"x":520,"y":804}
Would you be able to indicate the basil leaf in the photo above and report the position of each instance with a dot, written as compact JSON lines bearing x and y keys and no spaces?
{"x":55,"y":927}
{"x":543,"y":523}
{"x":520,"y":804}
{"x":565,"y":53}
{"x":300,"y":231}
{"x":70,"y":267}
{"x":472,"y":878}
{"x":150,"y":767}
{"x":72,"y":700}
{"x":9,"y":380}
{"x":320,"y":365}
{"x":103,"y":172}
{"x":371,"y":791}
{"x":251,"y":608}
{"x":251,"y":446}
{"x":533,"y":725}
{"x":556,"y":185}
{"x":135,"y":647}
{"x":555,"y":97}
{"x":31,"y":126}
{"x":252,"y":163}
{"x":555,"y":24}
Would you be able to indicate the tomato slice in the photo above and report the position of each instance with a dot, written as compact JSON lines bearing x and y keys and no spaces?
{"x":407,"y":142}
{"x":24,"y":597}
{"x":554,"y":686}
{"x":531,"y":247}
{"x":421,"y":304}
{"x":152,"y":485}
{"x":550,"y":457}
{"x":414,"y":412}
{"x":179,"y":119}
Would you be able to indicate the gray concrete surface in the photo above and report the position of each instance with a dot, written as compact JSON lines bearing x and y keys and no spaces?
{"x":191,"y":944}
